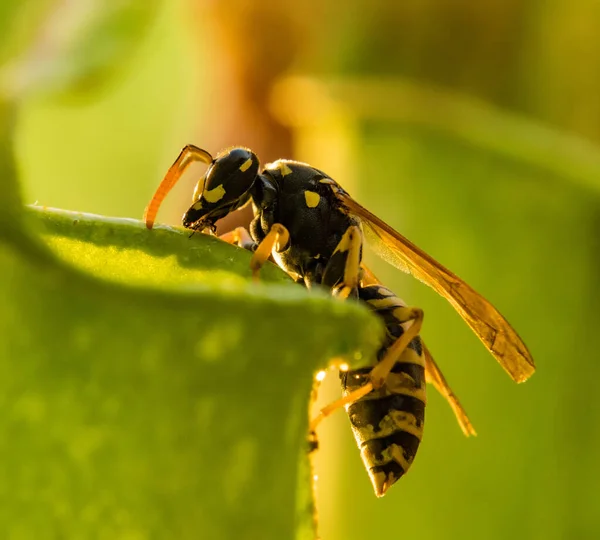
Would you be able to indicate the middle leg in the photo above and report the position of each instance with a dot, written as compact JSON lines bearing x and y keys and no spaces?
{"x":342,"y":272}
{"x":239,"y":237}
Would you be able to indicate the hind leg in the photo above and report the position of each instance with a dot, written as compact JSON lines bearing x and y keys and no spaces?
{"x":379,"y":374}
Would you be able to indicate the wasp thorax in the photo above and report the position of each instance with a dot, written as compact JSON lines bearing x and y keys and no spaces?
{"x":224,"y":187}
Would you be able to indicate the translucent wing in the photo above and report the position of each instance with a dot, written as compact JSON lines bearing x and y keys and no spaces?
{"x":434,"y":376}
{"x":485,"y":320}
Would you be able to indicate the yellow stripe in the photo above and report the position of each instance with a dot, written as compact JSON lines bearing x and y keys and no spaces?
{"x":400,"y":420}
{"x":385,"y":292}
{"x":410,"y":356}
{"x":344,"y":244}
{"x":394,"y":452}
{"x":403,"y":314}
{"x":403,"y":384}
{"x":246,"y":165}
{"x":390,"y":301}
{"x":391,"y":423}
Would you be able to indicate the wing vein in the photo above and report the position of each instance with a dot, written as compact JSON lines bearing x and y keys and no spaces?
{"x":494,"y":331}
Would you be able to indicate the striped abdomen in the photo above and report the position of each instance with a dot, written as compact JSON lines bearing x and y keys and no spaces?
{"x":388,"y":424}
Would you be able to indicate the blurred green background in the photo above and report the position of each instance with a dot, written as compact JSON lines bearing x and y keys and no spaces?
{"x":470,"y":127}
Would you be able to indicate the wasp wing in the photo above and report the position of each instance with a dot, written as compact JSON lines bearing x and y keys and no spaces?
{"x":434,"y":376}
{"x":485,"y":320}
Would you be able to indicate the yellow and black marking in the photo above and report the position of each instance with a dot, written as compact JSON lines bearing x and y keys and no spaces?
{"x":312,"y":198}
{"x":277,"y":239}
{"x":281,"y":166}
{"x":343,"y":268}
{"x":225,"y":187}
{"x":313,"y":229}
{"x":246,"y":165}
{"x":388,"y":422}
{"x":214,"y":195}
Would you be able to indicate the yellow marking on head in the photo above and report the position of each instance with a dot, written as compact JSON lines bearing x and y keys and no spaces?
{"x":246,"y":165}
{"x":312,"y":198}
{"x":197,"y":205}
{"x":214,"y":195}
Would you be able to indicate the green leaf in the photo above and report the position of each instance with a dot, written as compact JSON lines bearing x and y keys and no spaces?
{"x":138,"y":410}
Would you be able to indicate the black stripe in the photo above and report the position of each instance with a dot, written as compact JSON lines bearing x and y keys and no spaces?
{"x":371,"y":292}
{"x":393,"y":329}
{"x":416,"y":345}
{"x":415,"y":371}
{"x":352,"y":380}
{"x":372,"y":411}
{"x":408,"y":442}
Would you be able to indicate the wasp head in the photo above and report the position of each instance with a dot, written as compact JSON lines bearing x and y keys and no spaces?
{"x":224,"y":187}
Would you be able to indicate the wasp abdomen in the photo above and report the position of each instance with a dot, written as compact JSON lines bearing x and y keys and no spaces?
{"x":388,"y":422}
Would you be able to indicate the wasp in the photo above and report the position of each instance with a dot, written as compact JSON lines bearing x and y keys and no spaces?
{"x":315,"y":232}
